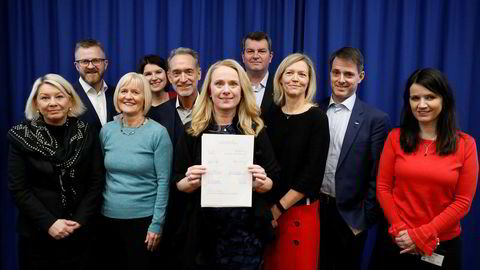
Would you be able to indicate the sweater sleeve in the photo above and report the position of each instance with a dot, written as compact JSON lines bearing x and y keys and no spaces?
{"x":163,"y":164}
{"x":310,"y":178}
{"x":385,"y":184}
{"x":425,"y":236}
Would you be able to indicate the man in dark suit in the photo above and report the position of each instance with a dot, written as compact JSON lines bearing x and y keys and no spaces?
{"x":348,"y":204}
{"x":91,"y":64}
{"x":257,"y":55}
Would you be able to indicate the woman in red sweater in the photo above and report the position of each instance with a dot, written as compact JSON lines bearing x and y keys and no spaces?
{"x":427,"y":178}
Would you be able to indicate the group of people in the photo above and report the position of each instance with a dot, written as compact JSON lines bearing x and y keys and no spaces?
{"x":110,"y":176}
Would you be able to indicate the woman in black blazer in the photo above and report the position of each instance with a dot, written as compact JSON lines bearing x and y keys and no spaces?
{"x":56,"y":175}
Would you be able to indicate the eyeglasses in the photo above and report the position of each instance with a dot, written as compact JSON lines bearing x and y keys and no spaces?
{"x":95,"y":61}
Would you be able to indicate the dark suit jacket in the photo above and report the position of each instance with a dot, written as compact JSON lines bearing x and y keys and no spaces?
{"x":90,"y":115}
{"x":35,"y":188}
{"x":355,"y":177}
{"x":267,"y":100}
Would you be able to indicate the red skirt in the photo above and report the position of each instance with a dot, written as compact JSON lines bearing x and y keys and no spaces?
{"x":298,"y":240}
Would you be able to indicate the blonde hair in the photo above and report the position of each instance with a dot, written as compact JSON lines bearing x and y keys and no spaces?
{"x":141,"y":83}
{"x":247,"y":111}
{"x":31,"y":110}
{"x":279,"y":91}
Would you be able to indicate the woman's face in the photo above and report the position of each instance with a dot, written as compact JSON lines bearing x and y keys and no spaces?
{"x":425,"y":104}
{"x":225,"y":89}
{"x":53,"y":104}
{"x":131,"y":99}
{"x":295,"y":79}
{"x":156,"y":76}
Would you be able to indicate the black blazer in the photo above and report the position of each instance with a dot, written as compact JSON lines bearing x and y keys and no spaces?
{"x":35,"y":188}
{"x":90,"y":115}
{"x":356,"y":174}
{"x":267,"y":100}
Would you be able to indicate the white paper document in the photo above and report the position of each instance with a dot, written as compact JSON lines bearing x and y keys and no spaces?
{"x":227,"y":182}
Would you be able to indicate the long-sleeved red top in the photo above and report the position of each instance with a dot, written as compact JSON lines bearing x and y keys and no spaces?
{"x":425,"y":193}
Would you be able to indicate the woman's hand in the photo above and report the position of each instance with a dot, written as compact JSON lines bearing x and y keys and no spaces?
{"x":152,"y":240}
{"x":405,"y":242}
{"x":276,"y":213}
{"x":192,"y":178}
{"x":62,"y":228}
{"x":261,"y":183}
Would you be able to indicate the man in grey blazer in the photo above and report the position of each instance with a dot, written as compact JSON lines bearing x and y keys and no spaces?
{"x":348,"y":204}
{"x":257,"y":55}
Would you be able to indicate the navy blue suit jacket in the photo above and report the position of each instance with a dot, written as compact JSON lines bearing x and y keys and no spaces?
{"x":355,"y":177}
{"x":267,"y":100}
{"x":90,"y":115}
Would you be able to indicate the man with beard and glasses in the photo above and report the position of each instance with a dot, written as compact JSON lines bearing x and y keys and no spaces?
{"x":184,"y":73}
{"x":91,"y":64}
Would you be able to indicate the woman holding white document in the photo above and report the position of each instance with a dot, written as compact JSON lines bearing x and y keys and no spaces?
{"x":224,"y":237}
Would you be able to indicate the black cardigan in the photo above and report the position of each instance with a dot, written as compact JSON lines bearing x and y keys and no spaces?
{"x":193,"y":233}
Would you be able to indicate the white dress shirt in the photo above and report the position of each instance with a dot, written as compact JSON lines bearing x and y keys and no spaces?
{"x":184,"y":113}
{"x":259,"y":90}
{"x":98,"y":99}
{"x":338,"y":117}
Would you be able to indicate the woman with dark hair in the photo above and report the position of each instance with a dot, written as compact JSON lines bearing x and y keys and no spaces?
{"x":56,"y":177}
{"x":155,"y":68}
{"x":231,"y":237}
{"x":427,"y":178}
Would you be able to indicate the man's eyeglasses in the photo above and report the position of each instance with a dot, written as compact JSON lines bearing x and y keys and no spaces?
{"x":95,"y":61}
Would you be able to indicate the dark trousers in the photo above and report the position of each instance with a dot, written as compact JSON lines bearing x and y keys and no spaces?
{"x":340,"y":248}
{"x":124,"y":246}
{"x":47,"y":253}
{"x":386,"y":254}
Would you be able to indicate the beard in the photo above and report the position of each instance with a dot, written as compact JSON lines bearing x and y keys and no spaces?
{"x":92,"y":77}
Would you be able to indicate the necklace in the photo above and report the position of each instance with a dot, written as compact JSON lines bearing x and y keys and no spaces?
{"x":428,"y":145}
{"x":131,"y":132}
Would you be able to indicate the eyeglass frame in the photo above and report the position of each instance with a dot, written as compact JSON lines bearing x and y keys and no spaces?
{"x":88,"y":61}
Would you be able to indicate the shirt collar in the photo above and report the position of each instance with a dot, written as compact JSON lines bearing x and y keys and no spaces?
{"x":86,"y":87}
{"x":347,"y":103}
{"x":262,"y":85}
{"x":178,"y":105}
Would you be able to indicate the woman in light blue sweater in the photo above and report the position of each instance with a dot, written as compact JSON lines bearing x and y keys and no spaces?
{"x":138,"y":158}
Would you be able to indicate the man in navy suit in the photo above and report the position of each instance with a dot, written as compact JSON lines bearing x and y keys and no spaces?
{"x":257,"y":55}
{"x":348,"y":204}
{"x":91,"y":64}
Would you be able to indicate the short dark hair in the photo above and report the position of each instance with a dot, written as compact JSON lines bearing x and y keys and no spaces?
{"x":258,"y":36}
{"x":348,"y":53}
{"x":154,"y":59}
{"x":435,"y":81}
{"x":88,"y":43}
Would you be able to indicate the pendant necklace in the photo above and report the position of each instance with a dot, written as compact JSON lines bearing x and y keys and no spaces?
{"x":134,"y":129}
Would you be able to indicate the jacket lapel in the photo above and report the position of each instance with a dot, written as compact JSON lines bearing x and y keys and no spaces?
{"x":354,"y":124}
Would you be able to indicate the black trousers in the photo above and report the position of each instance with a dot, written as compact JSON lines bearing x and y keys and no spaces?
{"x":386,"y":254}
{"x":39,"y":253}
{"x":340,"y":248}
{"x":123,"y":244}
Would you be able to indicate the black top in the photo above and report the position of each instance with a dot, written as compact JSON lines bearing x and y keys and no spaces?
{"x":196,"y":235}
{"x":167,"y":116}
{"x":301,"y":144}
{"x":35,"y":180}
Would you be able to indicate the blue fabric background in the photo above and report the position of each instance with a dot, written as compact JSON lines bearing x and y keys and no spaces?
{"x":395,"y":36}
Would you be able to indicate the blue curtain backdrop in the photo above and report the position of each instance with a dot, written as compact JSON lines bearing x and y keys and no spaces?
{"x":395,"y":36}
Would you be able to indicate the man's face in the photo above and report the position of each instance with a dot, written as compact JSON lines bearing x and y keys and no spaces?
{"x":256,"y":56}
{"x":184,"y":74}
{"x":91,"y":64}
{"x":345,"y":78}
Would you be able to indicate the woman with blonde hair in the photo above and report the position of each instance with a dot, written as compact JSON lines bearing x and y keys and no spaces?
{"x":55,"y":170}
{"x":138,"y":161}
{"x":299,"y":133}
{"x":224,"y":238}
